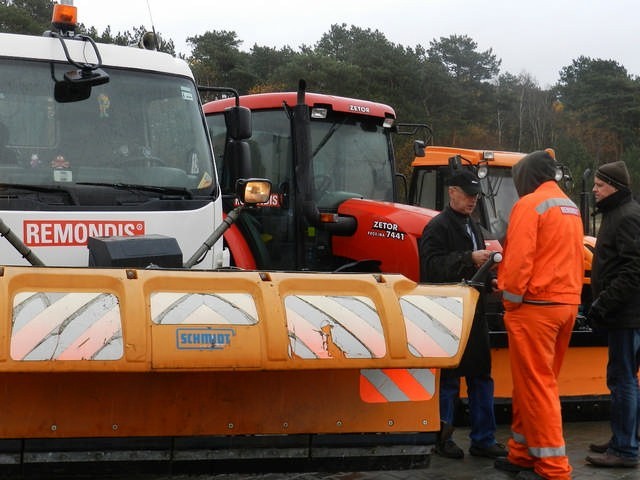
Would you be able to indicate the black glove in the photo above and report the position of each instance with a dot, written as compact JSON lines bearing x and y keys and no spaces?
{"x":595,"y":316}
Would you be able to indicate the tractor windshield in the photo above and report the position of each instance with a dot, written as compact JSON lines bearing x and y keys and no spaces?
{"x":140,"y":129}
{"x":349,"y":154}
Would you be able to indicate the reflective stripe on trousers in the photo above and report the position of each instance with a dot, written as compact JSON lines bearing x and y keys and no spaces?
{"x":538,"y":340}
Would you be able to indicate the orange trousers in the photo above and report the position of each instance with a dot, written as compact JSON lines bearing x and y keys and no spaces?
{"x":538,"y":341}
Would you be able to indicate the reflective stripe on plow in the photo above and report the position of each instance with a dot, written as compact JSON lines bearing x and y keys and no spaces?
{"x":300,"y":330}
{"x":425,"y":345}
{"x":450,"y":320}
{"x":173,"y":308}
{"x":396,"y":385}
{"x":96,"y":336}
{"x":47,"y":320}
{"x":368,"y":335}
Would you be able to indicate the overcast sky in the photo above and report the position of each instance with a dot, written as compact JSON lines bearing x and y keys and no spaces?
{"x":535,"y":37}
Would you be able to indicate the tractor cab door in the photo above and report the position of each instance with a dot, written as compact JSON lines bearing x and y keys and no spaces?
{"x":270,"y":229}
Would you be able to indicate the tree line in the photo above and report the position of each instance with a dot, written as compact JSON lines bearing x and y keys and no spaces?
{"x":591,"y":116}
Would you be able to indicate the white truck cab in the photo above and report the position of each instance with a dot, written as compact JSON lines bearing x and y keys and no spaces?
{"x":132,"y":158}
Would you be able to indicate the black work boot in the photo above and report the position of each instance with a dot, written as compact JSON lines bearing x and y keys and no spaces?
{"x":599,"y":447}
{"x":445,"y":446}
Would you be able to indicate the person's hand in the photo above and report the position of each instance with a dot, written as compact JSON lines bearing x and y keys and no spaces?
{"x":594,"y":315}
{"x":479,"y":257}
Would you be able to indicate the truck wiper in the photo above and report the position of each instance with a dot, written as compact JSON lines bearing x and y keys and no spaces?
{"x":41,"y":189}
{"x":144,"y":188}
{"x":494,"y":186}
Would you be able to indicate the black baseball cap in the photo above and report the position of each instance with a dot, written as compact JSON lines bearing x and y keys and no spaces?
{"x":466,"y":180}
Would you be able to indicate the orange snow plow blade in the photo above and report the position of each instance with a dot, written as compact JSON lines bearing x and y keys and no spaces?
{"x":69,"y":320}
{"x":106,"y":353}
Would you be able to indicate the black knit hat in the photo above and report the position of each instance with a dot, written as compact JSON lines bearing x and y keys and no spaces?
{"x":616,"y":174}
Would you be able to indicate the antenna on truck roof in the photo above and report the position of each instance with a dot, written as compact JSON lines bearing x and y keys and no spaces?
{"x":153,"y":28}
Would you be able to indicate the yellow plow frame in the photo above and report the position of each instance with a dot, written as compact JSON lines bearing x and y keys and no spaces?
{"x":105,"y":353}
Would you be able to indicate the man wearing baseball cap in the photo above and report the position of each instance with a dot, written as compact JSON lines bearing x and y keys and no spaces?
{"x":467,"y":181}
{"x":452,"y":248}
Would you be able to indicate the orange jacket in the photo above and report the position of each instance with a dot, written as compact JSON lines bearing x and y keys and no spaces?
{"x":543,"y":252}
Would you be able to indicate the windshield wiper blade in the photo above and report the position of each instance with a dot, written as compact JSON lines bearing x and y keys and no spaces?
{"x":42,"y":189}
{"x":144,"y":188}
{"x":332,"y":129}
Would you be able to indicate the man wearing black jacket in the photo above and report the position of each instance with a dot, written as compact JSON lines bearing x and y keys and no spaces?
{"x":452,"y":248}
{"x":615,"y":282}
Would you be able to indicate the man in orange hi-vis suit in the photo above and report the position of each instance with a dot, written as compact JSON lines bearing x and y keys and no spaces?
{"x":541,"y":280}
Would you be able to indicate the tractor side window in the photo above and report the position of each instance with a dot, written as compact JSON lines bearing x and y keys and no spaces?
{"x":218,"y":134}
{"x":269,"y":146}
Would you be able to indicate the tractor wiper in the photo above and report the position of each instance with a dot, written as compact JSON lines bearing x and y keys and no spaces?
{"x":334,"y":127}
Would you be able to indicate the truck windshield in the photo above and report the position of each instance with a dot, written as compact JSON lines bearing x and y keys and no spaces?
{"x":140,"y":128}
{"x":499,"y":197}
{"x":349,"y":154}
